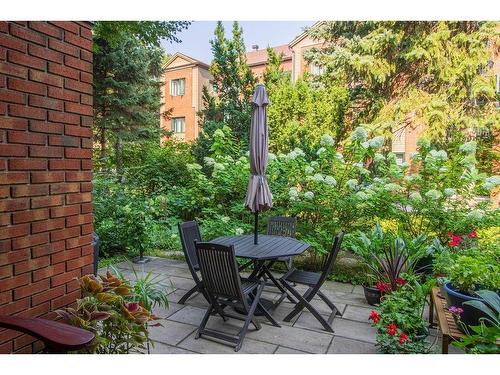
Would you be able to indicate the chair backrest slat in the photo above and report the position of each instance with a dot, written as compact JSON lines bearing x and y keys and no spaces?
{"x":219,"y":270}
{"x":330,"y":258}
{"x":189,"y":232}
{"x":282,"y":226}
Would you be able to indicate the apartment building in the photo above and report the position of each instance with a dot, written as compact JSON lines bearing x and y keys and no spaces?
{"x":257,"y":60}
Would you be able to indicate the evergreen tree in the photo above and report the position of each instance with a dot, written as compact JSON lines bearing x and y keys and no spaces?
{"x":274,"y":74}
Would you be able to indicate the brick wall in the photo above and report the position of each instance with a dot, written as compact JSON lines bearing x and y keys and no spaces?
{"x":45,"y":169}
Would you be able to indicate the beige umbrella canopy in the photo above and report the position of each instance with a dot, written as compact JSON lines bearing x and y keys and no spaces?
{"x":258,"y":197}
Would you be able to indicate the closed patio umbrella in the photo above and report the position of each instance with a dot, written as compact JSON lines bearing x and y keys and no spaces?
{"x":259,"y":197}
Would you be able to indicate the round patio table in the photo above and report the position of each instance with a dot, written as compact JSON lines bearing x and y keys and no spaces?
{"x":264,"y":254}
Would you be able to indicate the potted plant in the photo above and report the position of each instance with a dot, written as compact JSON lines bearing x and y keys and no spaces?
{"x":477,"y":270}
{"x":387,"y":255}
{"x":400,"y":325}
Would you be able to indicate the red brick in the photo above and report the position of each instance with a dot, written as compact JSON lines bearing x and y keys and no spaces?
{"x":64,"y":164}
{"x":48,"y":295}
{"x":64,"y":188}
{"x":31,"y":289}
{"x":66,"y":118}
{"x":5,"y":192}
{"x":44,"y":102}
{"x":64,"y":211}
{"x":47,"y":225}
{"x":45,"y":53}
{"x":67,"y":25}
{"x":86,"y":77}
{"x":78,"y":153}
{"x":13,"y":123}
{"x":85,"y":32}
{"x":26,"y":60}
{"x":77,"y":63}
{"x":66,"y":299}
{"x":78,"y":263}
{"x":39,"y":310}
{"x":26,"y":34}
{"x":29,"y":190}
{"x":15,"y":307}
{"x":78,"y":198}
{"x":49,"y":79}
{"x":45,"y":28}
{"x":22,"y":341}
{"x":46,"y":151}
{"x":49,"y":271}
{"x":77,"y":131}
{"x":14,"y":282}
{"x":78,"y":220}
{"x":26,"y":138}
{"x":30,"y":216}
{"x":46,"y":127}
{"x":8,"y":41}
{"x":12,"y":96}
{"x":13,"y":70}
{"x":6,"y":347}
{"x":27,"y":241}
{"x":78,"y":241}
{"x":64,"y":278}
{"x":26,"y":86}
{"x":87,"y":121}
{"x":78,"y":176}
{"x":3,"y":109}
{"x":86,"y":164}
{"x":27,"y":164}
{"x":47,"y":201}
{"x":66,"y":49}
{"x":58,"y":93}
{"x":63,"y":140}
{"x":44,"y":177}
{"x":86,"y":55}
{"x":5,"y":219}
{"x":85,"y":208}
{"x":6,"y":245}
{"x":64,"y":71}
{"x":82,"y":109}
{"x":19,"y":204}
{"x":12,"y":150}
{"x":5,"y":271}
{"x":4,"y":27}
{"x":64,"y":234}
{"x":87,"y":229}
{"x":17,"y":110}
{"x":72,"y":84}
{"x":10,"y":178}
{"x":31,"y":264}
{"x":78,"y":41}
{"x":14,"y":256}
{"x":14,"y":231}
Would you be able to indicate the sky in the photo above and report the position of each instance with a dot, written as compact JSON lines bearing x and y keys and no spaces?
{"x":195,"y":39}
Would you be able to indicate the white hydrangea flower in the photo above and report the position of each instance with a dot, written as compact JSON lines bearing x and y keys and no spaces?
{"x":309,"y":170}
{"x":229,"y":158}
{"x":415,"y":196}
{"x":376,"y":142}
{"x":339,"y":156}
{"x":358,"y":165}
{"x":378,"y":158}
{"x":292,"y":155}
{"x":391,"y":157}
{"x":209,"y":161}
{"x":440,"y":155}
{"x":299,"y":152}
{"x":469,"y":161}
{"x":318,"y":177}
{"x":193,"y":167}
{"x":434,"y":194}
{"x":392,"y":187}
{"x":443,"y":169}
{"x":239,"y":231}
{"x":359,"y":134}
{"x":225,"y":219}
{"x":362,"y":195}
{"x":491,"y":182}
{"x":330,"y":180}
{"x":293,"y":193}
{"x":219,"y":167}
{"x":314,"y":164}
{"x":327,"y":140}
{"x":352,"y":183}
{"x":309,"y":195}
{"x":365,"y":144}
{"x":320,"y":151}
{"x":247,"y":154}
{"x":475,"y":215}
{"x":469,"y":147}
{"x":282,"y":156}
{"x":243,"y":159}
{"x":271,"y":156}
{"x":449,"y":192}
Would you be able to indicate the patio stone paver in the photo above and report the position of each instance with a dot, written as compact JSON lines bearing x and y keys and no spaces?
{"x":303,"y":334}
{"x":342,"y":345}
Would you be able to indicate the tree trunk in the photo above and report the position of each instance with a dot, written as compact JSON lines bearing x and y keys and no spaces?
{"x":118,"y":156}
{"x":102,"y":142}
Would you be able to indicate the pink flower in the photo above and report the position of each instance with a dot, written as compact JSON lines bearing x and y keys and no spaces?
{"x":455,"y":240}
{"x":455,"y":310}
{"x":392,"y":329}
{"x":473,"y":234}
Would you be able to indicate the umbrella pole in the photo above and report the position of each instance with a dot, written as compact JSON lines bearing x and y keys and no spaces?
{"x":255,"y":231}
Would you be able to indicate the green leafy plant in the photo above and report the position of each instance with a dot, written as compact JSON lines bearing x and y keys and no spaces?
{"x":107,"y":308}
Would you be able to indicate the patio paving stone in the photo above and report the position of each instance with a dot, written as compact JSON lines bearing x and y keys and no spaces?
{"x":354,"y":330}
{"x":285,"y":350}
{"x":357,"y":313}
{"x":170,"y":332}
{"x":207,"y":346}
{"x":342,"y":345}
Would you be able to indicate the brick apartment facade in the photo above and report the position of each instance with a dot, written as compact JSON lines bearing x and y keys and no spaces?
{"x":45,"y":169}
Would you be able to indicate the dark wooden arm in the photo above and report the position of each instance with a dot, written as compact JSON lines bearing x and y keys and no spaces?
{"x":57,"y":337}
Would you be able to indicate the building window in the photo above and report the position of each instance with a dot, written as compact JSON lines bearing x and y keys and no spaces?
{"x":400,"y":157}
{"x":177,"y":87}
{"x":317,"y":70}
{"x":177,"y":125}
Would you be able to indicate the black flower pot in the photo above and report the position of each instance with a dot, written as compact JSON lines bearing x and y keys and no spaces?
{"x":470,"y":315}
{"x":372,"y":295}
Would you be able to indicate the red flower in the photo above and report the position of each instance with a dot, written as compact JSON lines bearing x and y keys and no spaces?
{"x":455,"y":240}
{"x":383,"y":287}
{"x":400,"y":281}
{"x":374,"y":316}
{"x":392,"y":329}
{"x":403,"y":338}
{"x":473,"y":234}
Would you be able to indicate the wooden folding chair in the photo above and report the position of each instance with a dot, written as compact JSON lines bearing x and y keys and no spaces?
{"x":189,"y":232}
{"x":223,"y":287}
{"x":285,"y":227}
{"x":314,"y":281}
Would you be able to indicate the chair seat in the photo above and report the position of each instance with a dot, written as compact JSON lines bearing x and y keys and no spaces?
{"x":247,"y":286}
{"x":284,"y":259}
{"x":303,"y":277}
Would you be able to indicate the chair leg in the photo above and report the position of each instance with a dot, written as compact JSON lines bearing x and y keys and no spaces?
{"x":249,"y":318}
{"x":277,"y":284}
{"x":330,"y":304}
{"x":299,"y":305}
{"x":186,"y":296}
{"x":204,"y":322}
{"x":268,"y":316}
{"x":307,"y":305}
